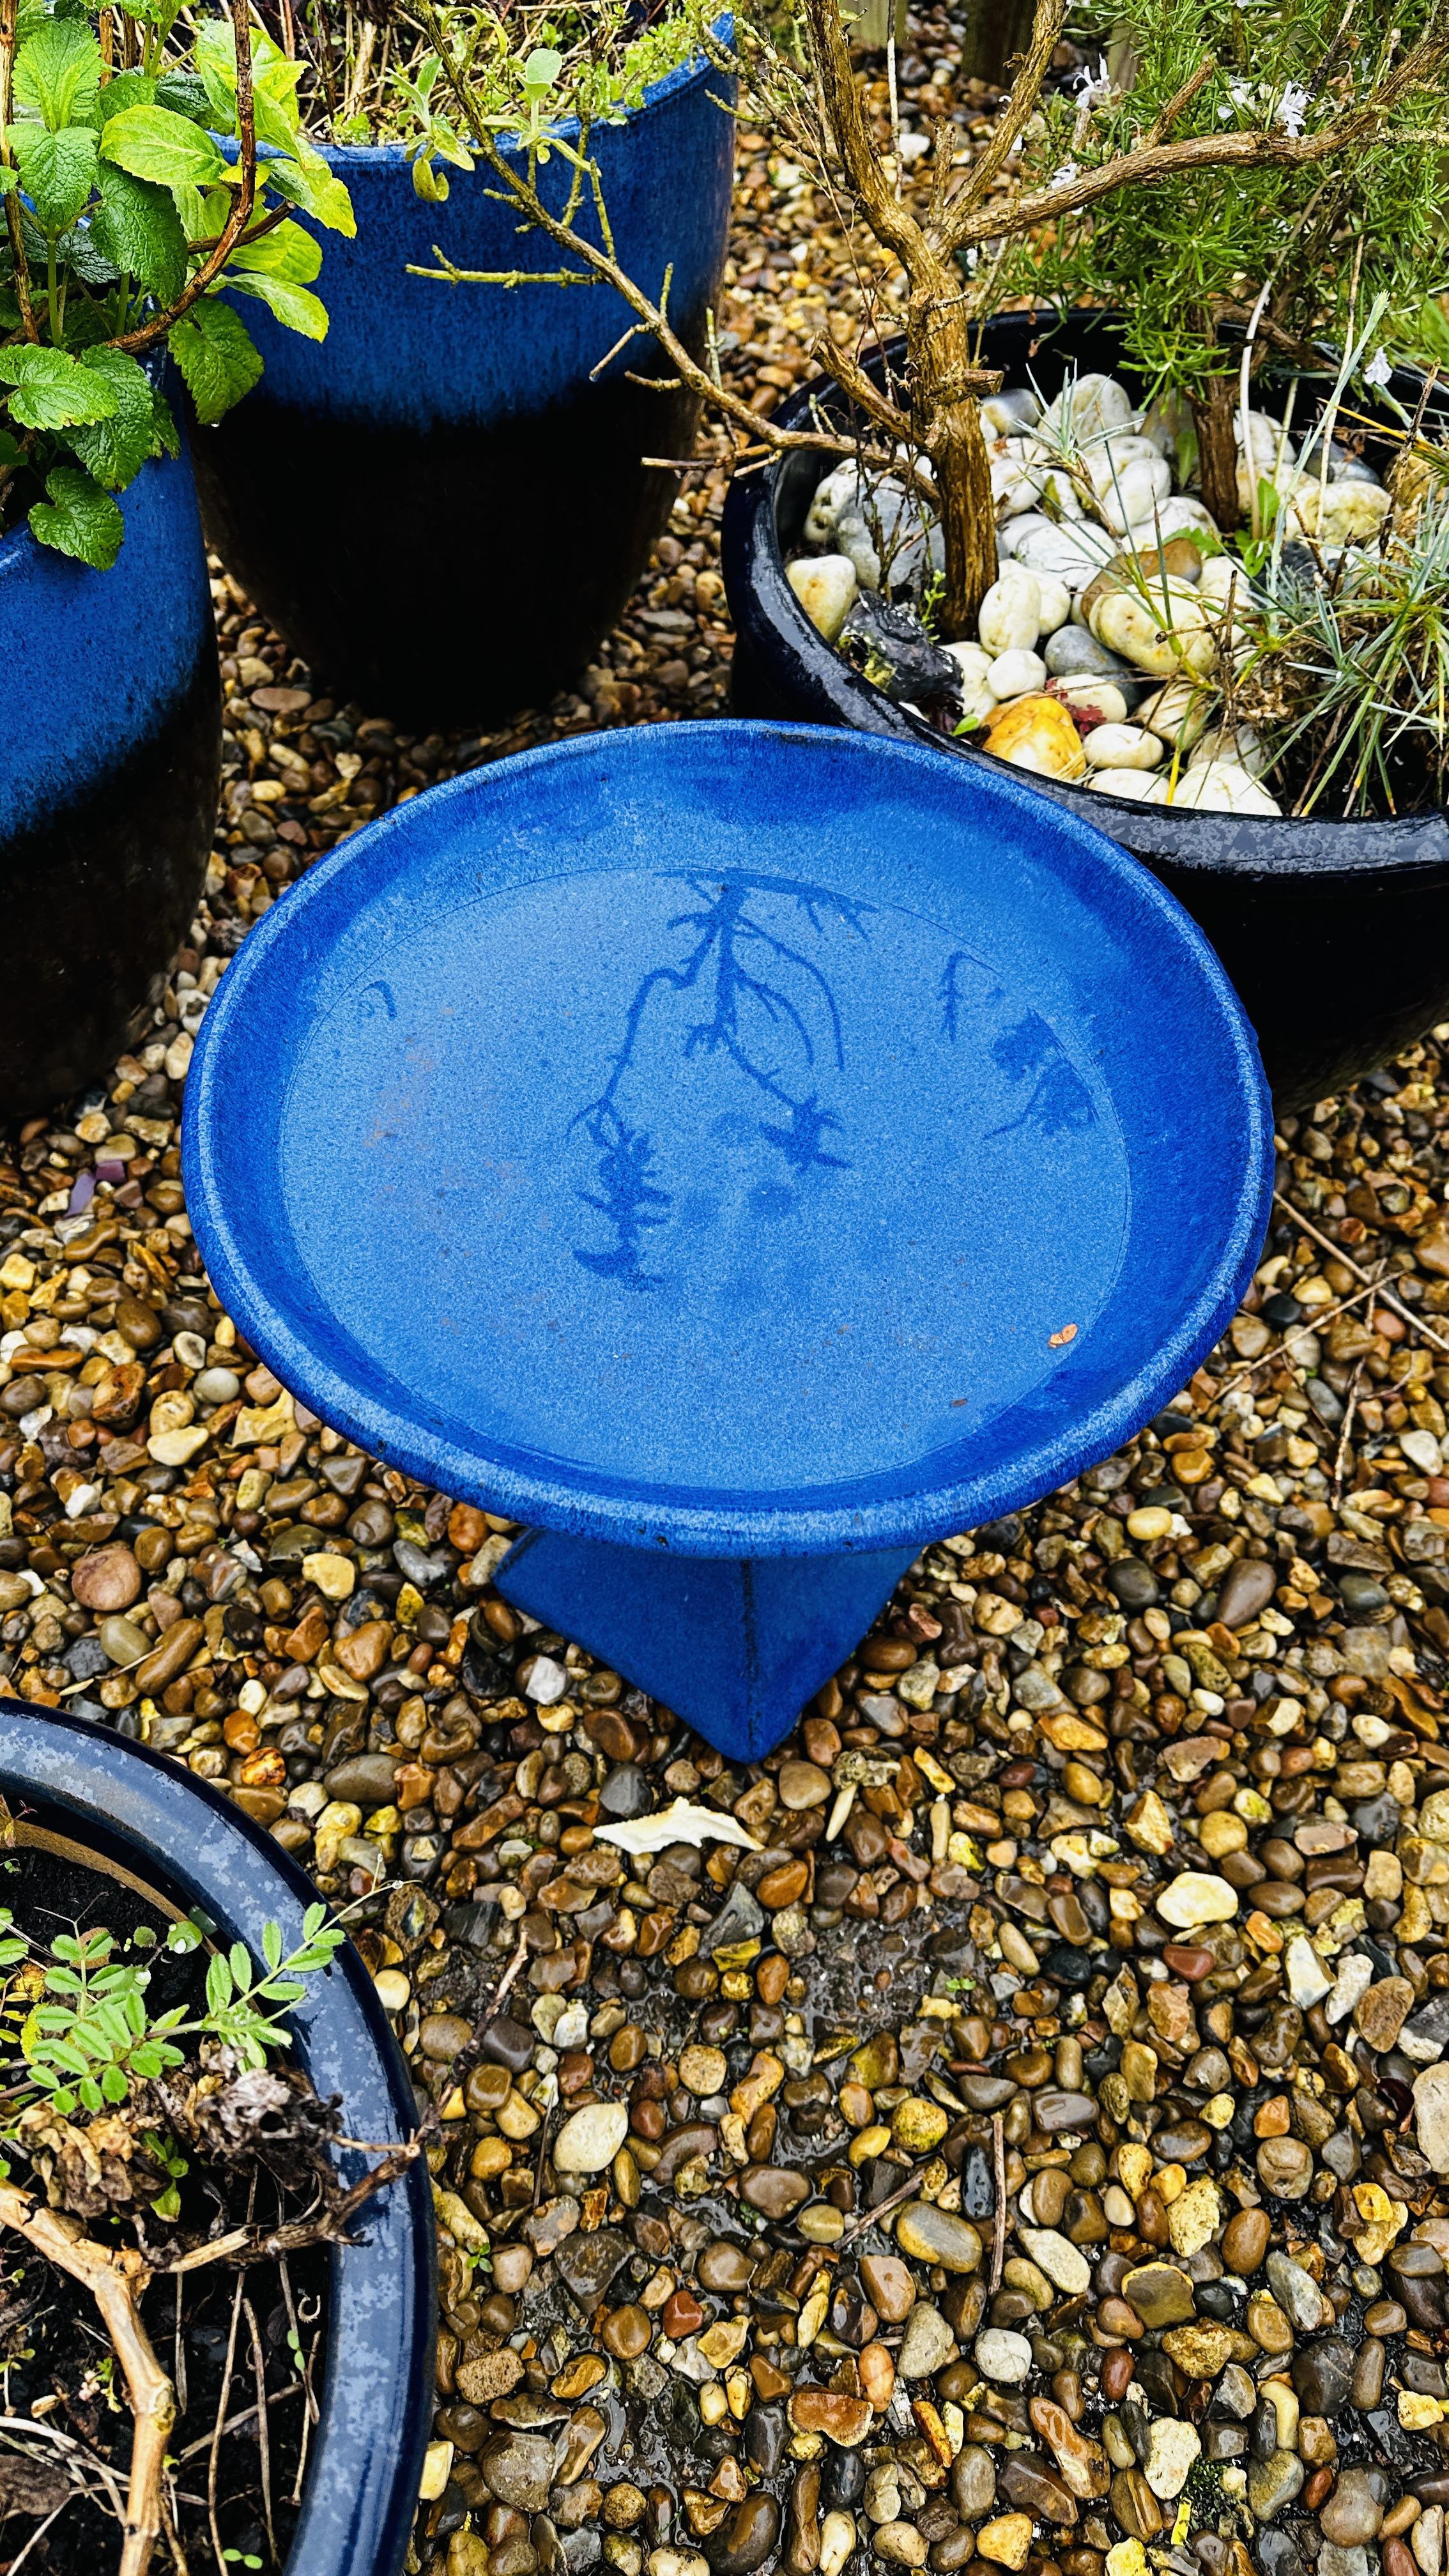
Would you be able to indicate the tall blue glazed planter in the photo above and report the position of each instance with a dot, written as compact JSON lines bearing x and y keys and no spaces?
{"x":110,"y":755}
{"x":439,"y":505}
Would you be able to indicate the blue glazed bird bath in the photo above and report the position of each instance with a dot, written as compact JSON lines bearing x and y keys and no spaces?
{"x":442,"y":504}
{"x":741,"y":1152}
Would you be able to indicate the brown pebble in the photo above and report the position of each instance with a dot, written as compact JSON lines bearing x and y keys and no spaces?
{"x":110,"y":1579}
{"x":1116,"y":2372}
{"x":1245,"y":2241}
{"x":627,"y":2332}
{"x":1317,"y":2488}
{"x":1385,"y":2317}
{"x":682,"y":2316}
{"x":783,"y":1886}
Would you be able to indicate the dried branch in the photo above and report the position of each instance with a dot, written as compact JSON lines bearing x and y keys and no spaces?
{"x":1151,"y":162}
{"x":1020,"y":108}
{"x":1180,"y":101}
{"x":115,"y":2278}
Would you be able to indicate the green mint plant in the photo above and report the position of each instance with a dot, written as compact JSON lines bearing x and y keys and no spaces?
{"x":126,"y":220}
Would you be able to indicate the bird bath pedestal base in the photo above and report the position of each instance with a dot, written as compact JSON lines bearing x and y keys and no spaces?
{"x":737,"y":1645}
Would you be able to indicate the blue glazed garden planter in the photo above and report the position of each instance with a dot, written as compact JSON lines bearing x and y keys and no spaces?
{"x":110,"y":755}
{"x":118,"y":1807}
{"x":436,"y":505}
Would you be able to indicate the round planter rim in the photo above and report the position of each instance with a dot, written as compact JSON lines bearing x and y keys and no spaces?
{"x":826,"y":1521}
{"x":382,"y":2287}
{"x":1265,"y":840}
{"x":396,"y":156}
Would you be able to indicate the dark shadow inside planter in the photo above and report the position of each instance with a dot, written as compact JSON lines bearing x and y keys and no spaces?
{"x":1336,"y":934}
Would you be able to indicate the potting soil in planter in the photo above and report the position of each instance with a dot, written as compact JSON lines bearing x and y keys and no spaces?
{"x":65,"y":2436}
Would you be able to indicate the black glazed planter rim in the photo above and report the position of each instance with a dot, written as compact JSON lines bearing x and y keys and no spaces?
{"x":1253,"y":846}
{"x":133,"y":1807}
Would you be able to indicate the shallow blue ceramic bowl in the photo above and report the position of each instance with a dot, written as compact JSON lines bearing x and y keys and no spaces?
{"x":438,"y":505}
{"x":744,"y":1140}
{"x":110,"y":754}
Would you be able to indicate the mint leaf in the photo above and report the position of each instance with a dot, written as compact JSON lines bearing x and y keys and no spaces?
{"x":78,"y":519}
{"x":57,"y":171}
{"x":58,"y":73}
{"x":115,"y":450}
{"x":152,"y":143}
{"x":306,"y":181}
{"x":127,"y":89}
{"x":216,"y":355}
{"x":184,"y":94}
{"x":52,"y":391}
{"x":138,"y":228}
{"x":293,"y":306}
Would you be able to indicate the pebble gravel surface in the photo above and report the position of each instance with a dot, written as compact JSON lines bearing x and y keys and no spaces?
{"x":1011,"y":2123}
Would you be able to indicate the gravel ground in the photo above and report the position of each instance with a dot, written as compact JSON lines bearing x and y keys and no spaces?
{"x":1008,"y":2123}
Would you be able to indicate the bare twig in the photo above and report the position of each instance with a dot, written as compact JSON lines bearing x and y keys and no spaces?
{"x":869,"y":2217}
{"x":259,"y":2374}
{"x":241,"y":214}
{"x":1405,"y":1314}
{"x":214,"y":2455}
{"x":115,"y":2277}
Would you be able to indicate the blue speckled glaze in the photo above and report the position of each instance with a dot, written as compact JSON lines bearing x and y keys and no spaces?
{"x":196,"y":1847}
{"x":405,"y":350}
{"x":96,"y":662}
{"x":755,"y":1142}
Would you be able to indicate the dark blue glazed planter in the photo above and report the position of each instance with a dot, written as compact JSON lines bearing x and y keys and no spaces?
{"x":110,"y":757}
{"x":134,"y":1810}
{"x":1336,"y":935}
{"x":742,"y":1152}
{"x":436,"y":505}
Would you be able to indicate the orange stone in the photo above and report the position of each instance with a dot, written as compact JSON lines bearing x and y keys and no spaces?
{"x":843,"y":2420}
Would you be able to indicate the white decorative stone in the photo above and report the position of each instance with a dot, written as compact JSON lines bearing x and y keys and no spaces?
{"x":1164,"y":630}
{"x":1122,"y":746}
{"x":978,"y":698}
{"x":1307,"y":1983}
{"x":1175,"y":2446}
{"x":1073,"y":554}
{"x":1090,"y":407}
{"x":1342,"y":514}
{"x":592,"y":2138}
{"x":1015,"y":674}
{"x":1093,"y":697}
{"x":1244,"y":749}
{"x":1001,"y":2355}
{"x":827,"y":589}
{"x":1178,"y":713}
{"x":1056,"y":603}
{"x":1135,"y":492}
{"x":1134,"y":784}
{"x":1061,"y":2261}
{"x":1194,"y":1897}
{"x":1010,"y":617}
{"x":1197,"y":791}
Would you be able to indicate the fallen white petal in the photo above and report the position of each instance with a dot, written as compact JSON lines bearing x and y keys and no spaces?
{"x":680,"y":1823}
